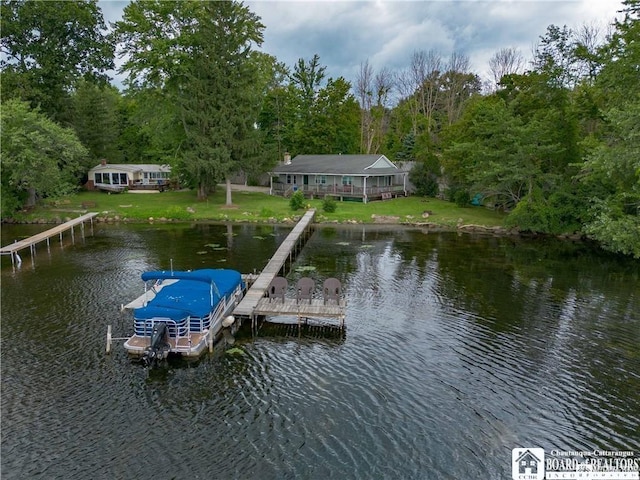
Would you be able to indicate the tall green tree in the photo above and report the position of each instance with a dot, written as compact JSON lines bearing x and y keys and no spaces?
{"x":335,"y":119}
{"x":39,"y":158}
{"x":96,"y":121}
{"x":199,"y":55}
{"x":611,"y":171}
{"x":48,"y":47}
{"x":321,"y":117}
{"x":277,"y":109}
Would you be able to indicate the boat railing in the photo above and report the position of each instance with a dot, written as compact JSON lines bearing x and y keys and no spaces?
{"x":176,"y":330}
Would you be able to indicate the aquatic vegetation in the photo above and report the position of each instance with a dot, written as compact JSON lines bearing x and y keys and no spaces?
{"x":305,"y":268}
{"x":235,"y":351}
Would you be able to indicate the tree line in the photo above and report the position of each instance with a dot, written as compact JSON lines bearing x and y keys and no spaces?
{"x":554,"y":142}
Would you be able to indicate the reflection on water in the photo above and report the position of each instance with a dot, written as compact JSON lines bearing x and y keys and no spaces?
{"x":457,"y":349}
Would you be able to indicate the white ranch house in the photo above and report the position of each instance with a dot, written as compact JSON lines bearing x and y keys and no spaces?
{"x":119,"y":176}
{"x":352,"y":177}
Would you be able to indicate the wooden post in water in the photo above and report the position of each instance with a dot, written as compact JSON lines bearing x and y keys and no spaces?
{"x":108,"y":338}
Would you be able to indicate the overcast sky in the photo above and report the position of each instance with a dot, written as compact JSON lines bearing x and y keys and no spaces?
{"x":386,"y":33}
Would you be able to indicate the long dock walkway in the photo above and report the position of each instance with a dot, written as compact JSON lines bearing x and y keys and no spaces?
{"x":13,"y":248}
{"x":257,"y":290}
{"x":255,"y":303}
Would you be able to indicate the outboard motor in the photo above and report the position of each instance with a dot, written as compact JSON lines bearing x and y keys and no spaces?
{"x":159,"y":348}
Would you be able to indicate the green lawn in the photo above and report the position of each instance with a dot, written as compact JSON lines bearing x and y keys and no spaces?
{"x":255,"y":207}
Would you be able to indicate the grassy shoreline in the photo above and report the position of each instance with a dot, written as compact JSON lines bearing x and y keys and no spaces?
{"x":258,"y":207}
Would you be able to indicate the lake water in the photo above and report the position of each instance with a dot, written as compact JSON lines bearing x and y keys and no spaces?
{"x":457,"y":349}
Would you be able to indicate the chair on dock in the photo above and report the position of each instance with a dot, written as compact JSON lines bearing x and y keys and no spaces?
{"x":332,"y":290}
{"x":304,"y":289}
{"x":277,"y":288}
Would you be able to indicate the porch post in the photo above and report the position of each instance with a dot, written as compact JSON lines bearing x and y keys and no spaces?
{"x":364,"y":190}
{"x":270,"y":184}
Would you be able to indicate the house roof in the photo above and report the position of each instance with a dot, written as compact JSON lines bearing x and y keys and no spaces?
{"x":130,"y":167}
{"x":356,"y":165}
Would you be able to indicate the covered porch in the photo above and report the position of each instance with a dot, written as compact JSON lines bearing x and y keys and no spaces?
{"x":341,"y":192}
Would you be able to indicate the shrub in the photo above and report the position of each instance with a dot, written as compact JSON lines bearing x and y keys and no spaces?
{"x":459,"y":195}
{"x":425,"y":181}
{"x":267,"y":212}
{"x":329,"y":205}
{"x":297,"y":201}
{"x":462,"y":198}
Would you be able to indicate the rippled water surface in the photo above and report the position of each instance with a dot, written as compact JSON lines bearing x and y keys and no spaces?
{"x":457,"y":350}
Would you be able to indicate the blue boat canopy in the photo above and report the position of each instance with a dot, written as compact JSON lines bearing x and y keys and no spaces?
{"x":150,"y":311}
{"x":196,"y":293}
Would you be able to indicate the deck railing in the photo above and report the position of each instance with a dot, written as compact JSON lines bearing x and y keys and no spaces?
{"x":346,"y":190}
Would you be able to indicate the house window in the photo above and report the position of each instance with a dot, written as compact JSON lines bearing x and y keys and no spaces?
{"x":321,"y":179}
{"x":98,"y":178}
{"x":118,"y":178}
{"x":347,"y":180}
{"x":291,"y":179}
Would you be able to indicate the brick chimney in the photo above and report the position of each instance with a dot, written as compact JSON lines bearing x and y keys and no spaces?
{"x":287,"y":158}
{"x":103,"y":162}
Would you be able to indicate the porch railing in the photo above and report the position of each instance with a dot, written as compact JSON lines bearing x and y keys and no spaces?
{"x":347,"y":190}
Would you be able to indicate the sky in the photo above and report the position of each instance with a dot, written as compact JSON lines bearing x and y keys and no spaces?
{"x":386,"y":33}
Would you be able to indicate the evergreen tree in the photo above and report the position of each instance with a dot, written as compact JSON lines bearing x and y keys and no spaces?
{"x":199,"y":55}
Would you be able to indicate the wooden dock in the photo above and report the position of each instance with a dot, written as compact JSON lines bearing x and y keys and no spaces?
{"x":302,"y":310}
{"x":30,"y":243}
{"x":255,"y":303}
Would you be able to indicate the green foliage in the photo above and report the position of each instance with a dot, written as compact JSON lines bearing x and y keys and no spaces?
{"x":611,"y":173}
{"x":460,"y":196}
{"x":424,"y":179}
{"x":329,"y":205}
{"x":614,"y":230}
{"x":611,"y":170}
{"x":560,"y":213}
{"x":95,"y":120}
{"x":198,"y":56}
{"x":39,"y":158}
{"x":296,"y":202}
{"x":303,"y":114}
{"x":177,"y":213}
{"x":48,"y":47}
{"x":267,"y":213}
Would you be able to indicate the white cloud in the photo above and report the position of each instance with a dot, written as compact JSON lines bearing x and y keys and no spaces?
{"x":346,"y":33}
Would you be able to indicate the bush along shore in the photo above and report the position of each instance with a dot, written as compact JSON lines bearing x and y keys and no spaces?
{"x":258,"y":207}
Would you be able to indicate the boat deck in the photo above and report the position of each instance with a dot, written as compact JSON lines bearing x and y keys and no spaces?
{"x":184,"y":344}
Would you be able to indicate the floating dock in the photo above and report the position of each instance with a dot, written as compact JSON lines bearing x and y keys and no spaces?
{"x":58,"y":230}
{"x":255,"y":303}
